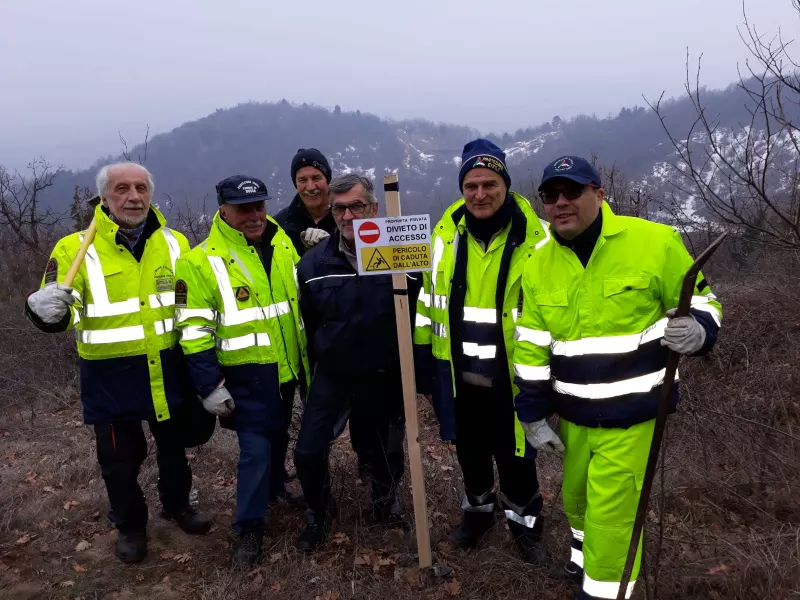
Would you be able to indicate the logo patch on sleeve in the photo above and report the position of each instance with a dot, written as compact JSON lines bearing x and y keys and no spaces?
{"x":242,"y":294}
{"x":181,"y":293}
{"x":51,"y":271}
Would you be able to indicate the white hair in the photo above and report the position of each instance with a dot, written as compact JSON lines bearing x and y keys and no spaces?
{"x":101,"y":180}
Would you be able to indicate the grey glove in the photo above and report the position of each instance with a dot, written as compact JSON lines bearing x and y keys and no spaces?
{"x":219,"y":402}
{"x":541,"y":437}
{"x":683,"y":334}
{"x":51,"y":302}
{"x":312,"y":237}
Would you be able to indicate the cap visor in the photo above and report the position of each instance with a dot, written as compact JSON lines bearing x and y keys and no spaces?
{"x":575,"y":178}
{"x":249,"y":199}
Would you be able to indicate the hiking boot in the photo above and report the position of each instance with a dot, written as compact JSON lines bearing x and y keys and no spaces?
{"x":131,"y":546}
{"x":529,"y":540}
{"x":474,"y":526}
{"x":318,"y":527}
{"x":572,"y":573}
{"x":190,"y":521}
{"x":248,"y":549}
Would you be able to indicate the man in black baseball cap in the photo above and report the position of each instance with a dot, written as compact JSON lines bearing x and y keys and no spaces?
{"x":307,"y":220}
{"x":237,"y":310}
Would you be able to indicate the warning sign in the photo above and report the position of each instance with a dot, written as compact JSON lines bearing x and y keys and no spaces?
{"x":393,"y":245}
{"x":377,"y":261}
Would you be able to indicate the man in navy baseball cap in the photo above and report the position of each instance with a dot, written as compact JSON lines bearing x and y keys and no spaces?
{"x":572,"y":193}
{"x":240,"y":189}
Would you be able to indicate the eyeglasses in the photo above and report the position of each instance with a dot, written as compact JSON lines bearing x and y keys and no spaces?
{"x":356,"y":208}
{"x":571,"y":190}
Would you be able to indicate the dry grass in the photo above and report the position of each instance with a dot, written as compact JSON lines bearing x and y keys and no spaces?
{"x":731,"y":517}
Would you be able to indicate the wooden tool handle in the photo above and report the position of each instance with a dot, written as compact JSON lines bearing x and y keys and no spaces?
{"x":88,"y":238}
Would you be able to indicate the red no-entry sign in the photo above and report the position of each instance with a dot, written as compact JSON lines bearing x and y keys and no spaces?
{"x":369,"y":232}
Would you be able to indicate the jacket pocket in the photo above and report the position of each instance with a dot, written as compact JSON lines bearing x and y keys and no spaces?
{"x":553,"y":306}
{"x":628,"y":300}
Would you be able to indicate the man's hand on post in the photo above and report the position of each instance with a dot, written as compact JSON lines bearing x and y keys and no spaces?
{"x":542,"y":438}
{"x":683,"y":335}
{"x":51,"y":303}
{"x":219,"y":402}
{"x":311,"y":236}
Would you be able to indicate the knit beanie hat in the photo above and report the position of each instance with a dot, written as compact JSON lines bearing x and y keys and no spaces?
{"x":483,"y":153}
{"x":310,"y":157}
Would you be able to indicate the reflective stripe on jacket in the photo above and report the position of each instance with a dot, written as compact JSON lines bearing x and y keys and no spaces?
{"x":123,"y":318}
{"x":432,"y":332}
{"x":238,"y":322}
{"x":589,"y":340}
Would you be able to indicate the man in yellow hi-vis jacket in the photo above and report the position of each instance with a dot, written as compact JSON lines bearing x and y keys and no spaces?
{"x":241,"y":331}
{"x":592,"y":346}
{"x":121,"y":306}
{"x":463,"y":342}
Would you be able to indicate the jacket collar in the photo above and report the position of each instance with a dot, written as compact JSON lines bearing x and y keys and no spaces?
{"x":226,"y":236}
{"x":612,"y":224}
{"x":534,"y":227}
{"x":106,"y":228}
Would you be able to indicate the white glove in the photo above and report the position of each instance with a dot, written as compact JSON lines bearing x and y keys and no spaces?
{"x":51,"y":302}
{"x":683,"y":334}
{"x":219,"y":402}
{"x":312,"y":237}
{"x":541,"y":437}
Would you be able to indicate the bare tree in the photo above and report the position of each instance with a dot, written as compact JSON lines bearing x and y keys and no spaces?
{"x":191,"y":222}
{"x":21,"y":207}
{"x":141,"y":159}
{"x":622,"y":194}
{"x":747,"y":177}
{"x":81,"y":210}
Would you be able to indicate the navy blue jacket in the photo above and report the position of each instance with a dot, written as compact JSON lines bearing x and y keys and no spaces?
{"x":294,"y":220}
{"x":349,"y":318}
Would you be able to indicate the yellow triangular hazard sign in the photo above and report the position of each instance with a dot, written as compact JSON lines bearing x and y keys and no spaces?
{"x":377,"y":262}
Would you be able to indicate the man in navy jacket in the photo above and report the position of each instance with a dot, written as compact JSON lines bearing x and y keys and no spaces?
{"x":352,"y":340}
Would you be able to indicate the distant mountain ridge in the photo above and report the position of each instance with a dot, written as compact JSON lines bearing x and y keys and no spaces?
{"x":260,"y":139}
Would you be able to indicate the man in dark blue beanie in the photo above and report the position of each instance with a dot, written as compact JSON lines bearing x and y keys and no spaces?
{"x":463,"y":336}
{"x":307,"y":220}
{"x":482,"y":153}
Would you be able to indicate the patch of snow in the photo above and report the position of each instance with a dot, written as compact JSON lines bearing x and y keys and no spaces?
{"x":370,"y":173}
{"x":351,"y":148}
{"x":426,"y":157}
{"x":457,"y":161}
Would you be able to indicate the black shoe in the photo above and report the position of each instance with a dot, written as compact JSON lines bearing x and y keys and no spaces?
{"x":474,"y":526}
{"x":529,"y":540}
{"x":572,"y":573}
{"x":190,"y":521}
{"x":131,"y":546}
{"x":248,"y":549}
{"x":316,"y":532}
{"x":364,"y":471}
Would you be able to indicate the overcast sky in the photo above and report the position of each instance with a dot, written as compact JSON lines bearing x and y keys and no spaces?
{"x":74,"y":73}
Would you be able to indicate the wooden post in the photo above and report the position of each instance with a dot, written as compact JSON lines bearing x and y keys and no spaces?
{"x":401,"y":300}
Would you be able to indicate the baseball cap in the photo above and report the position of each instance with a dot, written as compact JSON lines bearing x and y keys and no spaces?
{"x":575,"y":168}
{"x":241,"y":189}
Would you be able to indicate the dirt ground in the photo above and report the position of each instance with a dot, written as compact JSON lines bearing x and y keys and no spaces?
{"x":724,"y":525}
{"x":56,"y":542}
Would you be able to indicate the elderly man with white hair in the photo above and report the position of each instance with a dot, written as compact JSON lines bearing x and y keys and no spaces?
{"x":121,"y":306}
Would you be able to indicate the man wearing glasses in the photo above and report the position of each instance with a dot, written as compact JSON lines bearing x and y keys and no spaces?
{"x":350,"y":325}
{"x":591,"y":345}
